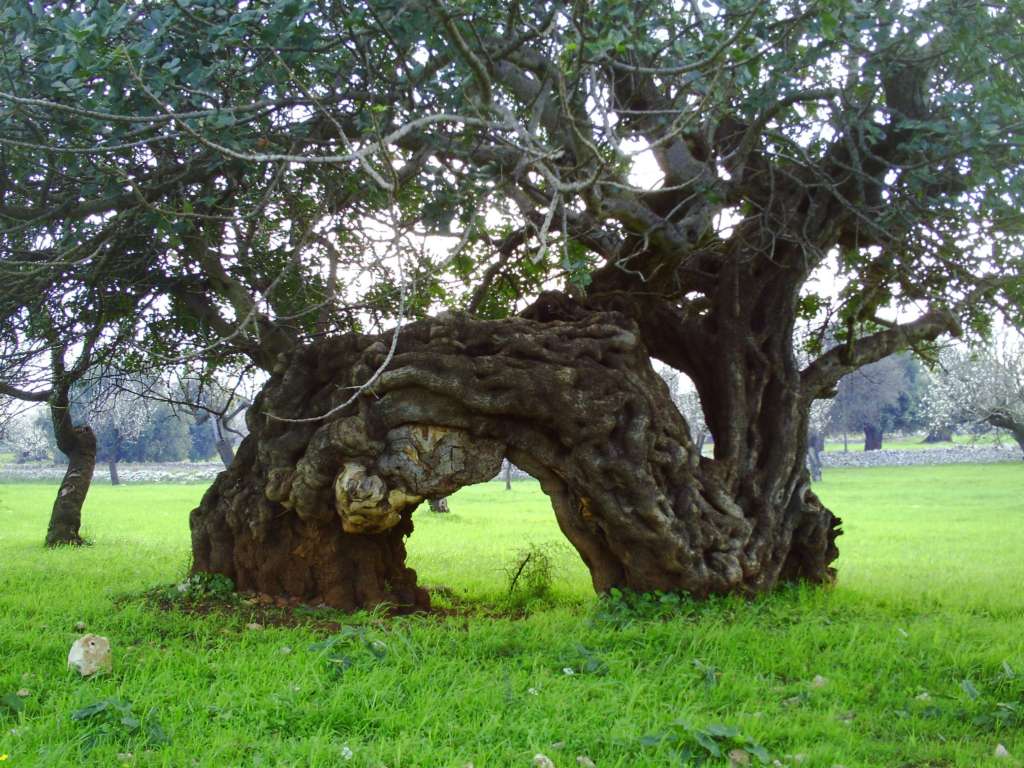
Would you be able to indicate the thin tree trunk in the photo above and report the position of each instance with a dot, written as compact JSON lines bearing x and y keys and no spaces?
{"x":440,"y":506}
{"x":815,"y":446}
{"x":112,"y":466}
{"x":225,"y":449}
{"x":508,"y":475}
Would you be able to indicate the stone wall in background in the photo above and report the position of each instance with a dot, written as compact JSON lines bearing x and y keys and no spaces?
{"x":954,"y":454}
{"x":46,"y":472}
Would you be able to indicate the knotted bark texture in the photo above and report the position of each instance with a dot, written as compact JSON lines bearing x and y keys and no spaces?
{"x":319,"y":510}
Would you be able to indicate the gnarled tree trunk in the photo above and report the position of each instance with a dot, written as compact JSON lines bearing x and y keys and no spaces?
{"x":79,"y":445}
{"x":319,"y":509}
{"x":872,"y":438}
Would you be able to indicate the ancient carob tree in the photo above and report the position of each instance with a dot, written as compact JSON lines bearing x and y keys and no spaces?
{"x":610,"y":183}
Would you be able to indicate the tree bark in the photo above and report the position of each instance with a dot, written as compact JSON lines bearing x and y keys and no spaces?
{"x":815,"y":446}
{"x":112,"y":466}
{"x":508,"y":475}
{"x":225,"y":450}
{"x":1012,"y":424}
{"x":319,"y":510}
{"x":940,"y":435}
{"x":79,"y":445}
{"x":872,"y":438}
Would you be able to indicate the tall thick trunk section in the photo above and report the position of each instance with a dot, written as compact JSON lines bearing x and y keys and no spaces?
{"x":79,"y":445}
{"x":112,"y":466}
{"x":319,"y":510}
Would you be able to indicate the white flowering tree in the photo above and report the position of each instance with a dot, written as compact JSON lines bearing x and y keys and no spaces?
{"x":983,"y":386}
{"x":25,"y":435}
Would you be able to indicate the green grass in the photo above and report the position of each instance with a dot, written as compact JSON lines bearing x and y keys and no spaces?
{"x":929,"y":596}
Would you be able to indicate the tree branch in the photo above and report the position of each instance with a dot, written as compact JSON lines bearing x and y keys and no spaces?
{"x":820,"y":377}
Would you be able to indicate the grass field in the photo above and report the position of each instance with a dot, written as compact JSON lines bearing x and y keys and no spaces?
{"x":915,"y":657}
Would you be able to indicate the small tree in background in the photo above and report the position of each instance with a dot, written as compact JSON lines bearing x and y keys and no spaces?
{"x":983,"y":387}
{"x":202,"y":440}
{"x":817,"y":426}
{"x":29,"y":436}
{"x":875,"y":399}
{"x":117,"y":415}
{"x":165,"y":437}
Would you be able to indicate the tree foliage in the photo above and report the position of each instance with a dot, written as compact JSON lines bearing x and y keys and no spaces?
{"x":878,"y":398}
{"x":228,"y":158}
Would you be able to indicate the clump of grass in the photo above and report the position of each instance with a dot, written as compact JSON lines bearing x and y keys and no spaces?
{"x":530,"y":575}
{"x":205,"y":587}
{"x":621,"y":607}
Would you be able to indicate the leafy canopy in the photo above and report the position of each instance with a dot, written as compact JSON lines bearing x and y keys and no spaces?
{"x":229,"y":178}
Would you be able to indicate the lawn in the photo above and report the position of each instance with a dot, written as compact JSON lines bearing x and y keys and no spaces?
{"x":914,"y":658}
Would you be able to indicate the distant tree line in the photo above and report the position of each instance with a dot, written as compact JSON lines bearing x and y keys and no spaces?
{"x":133,"y":421}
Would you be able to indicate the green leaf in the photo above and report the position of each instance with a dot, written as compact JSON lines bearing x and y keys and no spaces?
{"x":11,"y":702}
{"x":156,"y":733}
{"x":969,"y":689}
{"x":707,"y":741}
{"x":91,"y":710}
{"x":758,"y":751}
{"x":721,"y":731}
{"x":829,"y":24}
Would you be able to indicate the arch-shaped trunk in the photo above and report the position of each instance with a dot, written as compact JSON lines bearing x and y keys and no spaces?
{"x":319,"y":510}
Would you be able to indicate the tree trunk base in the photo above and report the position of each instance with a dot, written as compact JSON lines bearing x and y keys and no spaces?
{"x":64,"y":538}
{"x":284,"y":555}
